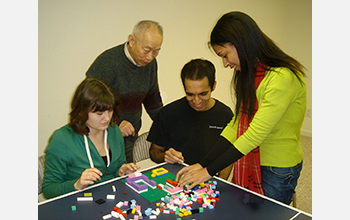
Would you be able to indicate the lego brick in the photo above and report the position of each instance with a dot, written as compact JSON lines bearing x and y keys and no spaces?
{"x":136,"y":187}
{"x":80,"y":199}
{"x":115,"y":214}
{"x":100,"y":201}
{"x":107,"y":216}
{"x":110,"y":196}
{"x":159,"y":172}
{"x":122,"y":217}
{"x":175,"y":190}
{"x":131,"y":176}
{"x":139,"y":188}
{"x":119,"y":204}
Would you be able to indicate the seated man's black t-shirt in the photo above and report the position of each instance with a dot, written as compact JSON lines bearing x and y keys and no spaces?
{"x":191,"y":132}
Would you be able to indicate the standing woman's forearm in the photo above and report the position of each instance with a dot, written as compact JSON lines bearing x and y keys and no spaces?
{"x":220,"y":156}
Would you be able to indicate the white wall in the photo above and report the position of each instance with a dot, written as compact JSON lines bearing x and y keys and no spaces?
{"x":298,"y":44}
{"x":72,"y":33}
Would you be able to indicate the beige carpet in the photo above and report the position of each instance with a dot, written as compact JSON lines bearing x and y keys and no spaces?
{"x":304,"y":187}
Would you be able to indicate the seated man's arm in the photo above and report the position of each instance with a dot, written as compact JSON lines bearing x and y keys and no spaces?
{"x":159,"y":155}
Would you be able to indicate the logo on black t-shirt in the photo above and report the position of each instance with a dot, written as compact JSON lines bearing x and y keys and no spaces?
{"x":216,"y":127}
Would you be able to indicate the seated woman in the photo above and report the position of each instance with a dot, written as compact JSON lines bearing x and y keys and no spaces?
{"x":90,"y":149}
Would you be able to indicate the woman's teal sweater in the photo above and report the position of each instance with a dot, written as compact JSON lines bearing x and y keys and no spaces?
{"x":66,"y":159}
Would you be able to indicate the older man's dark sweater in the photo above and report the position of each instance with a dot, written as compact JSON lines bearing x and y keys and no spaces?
{"x":134,"y":85}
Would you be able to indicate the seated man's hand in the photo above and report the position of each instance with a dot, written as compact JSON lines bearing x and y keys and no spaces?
{"x":172,"y":156}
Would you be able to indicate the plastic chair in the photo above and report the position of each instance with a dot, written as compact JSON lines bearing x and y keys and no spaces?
{"x":41,"y":162}
{"x":141,"y":148}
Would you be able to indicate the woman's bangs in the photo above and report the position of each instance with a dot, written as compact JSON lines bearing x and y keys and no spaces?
{"x":103,"y":104}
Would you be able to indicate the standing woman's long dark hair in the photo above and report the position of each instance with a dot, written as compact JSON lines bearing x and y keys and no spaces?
{"x":252,"y":46}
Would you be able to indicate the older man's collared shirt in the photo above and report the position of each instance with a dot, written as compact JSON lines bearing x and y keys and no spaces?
{"x":128,"y":55}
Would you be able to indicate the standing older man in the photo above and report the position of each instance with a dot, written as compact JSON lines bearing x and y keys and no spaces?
{"x":131,"y":69}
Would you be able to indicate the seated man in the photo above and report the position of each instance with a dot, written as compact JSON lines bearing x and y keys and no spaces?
{"x":186,"y":129}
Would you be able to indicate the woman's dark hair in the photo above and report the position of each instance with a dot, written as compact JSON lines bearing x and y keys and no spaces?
{"x":252,"y":46}
{"x":92,"y":95}
{"x":197,"y":69}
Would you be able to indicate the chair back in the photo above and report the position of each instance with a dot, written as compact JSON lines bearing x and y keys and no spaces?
{"x":41,"y":162}
{"x":141,"y":148}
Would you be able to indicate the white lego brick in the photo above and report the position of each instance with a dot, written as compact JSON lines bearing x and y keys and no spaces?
{"x":109,"y":196}
{"x":107,"y":216}
{"x":120,"y":204}
{"x":80,"y":199}
{"x":115,"y":214}
{"x":137,"y":174}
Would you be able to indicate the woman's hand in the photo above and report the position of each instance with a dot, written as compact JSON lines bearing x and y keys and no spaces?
{"x":194,"y":177}
{"x":187,"y":169}
{"x":88,"y":177}
{"x":127,"y":168}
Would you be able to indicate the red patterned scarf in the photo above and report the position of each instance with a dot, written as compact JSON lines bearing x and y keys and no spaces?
{"x":246,"y":171}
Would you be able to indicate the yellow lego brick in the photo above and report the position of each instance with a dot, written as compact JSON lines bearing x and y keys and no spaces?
{"x":159,"y":171}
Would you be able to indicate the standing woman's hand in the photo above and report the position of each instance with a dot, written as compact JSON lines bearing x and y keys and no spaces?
{"x":187,"y":169}
{"x":88,"y":177}
{"x":194,"y":178}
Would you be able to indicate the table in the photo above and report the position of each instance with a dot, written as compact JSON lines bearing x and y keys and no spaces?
{"x":235,"y":203}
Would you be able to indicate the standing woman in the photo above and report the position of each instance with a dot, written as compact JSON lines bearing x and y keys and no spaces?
{"x":90,"y":149}
{"x":264,"y":135}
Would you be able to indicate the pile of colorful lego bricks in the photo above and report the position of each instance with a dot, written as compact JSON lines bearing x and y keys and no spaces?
{"x":184,"y":203}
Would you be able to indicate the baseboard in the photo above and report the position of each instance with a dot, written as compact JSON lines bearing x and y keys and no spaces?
{"x":307,"y":133}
